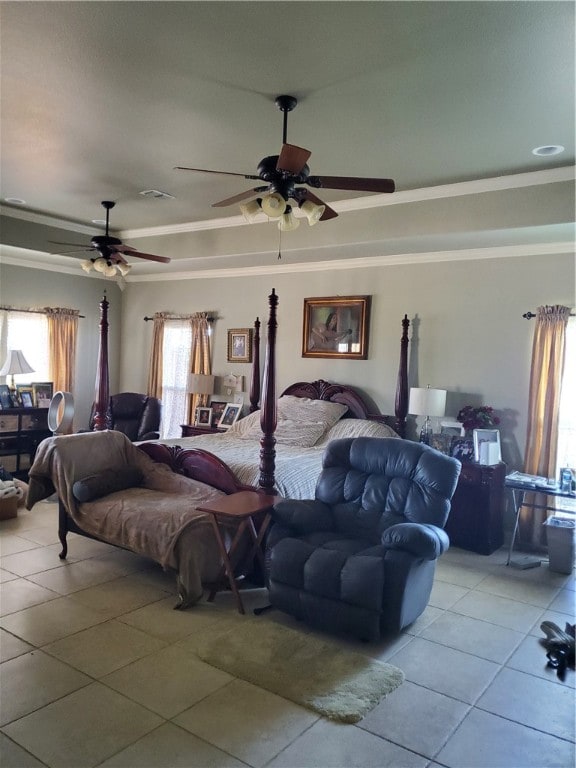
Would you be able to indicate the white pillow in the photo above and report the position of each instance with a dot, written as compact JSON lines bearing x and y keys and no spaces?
{"x":300,"y":421}
{"x":358,"y":428}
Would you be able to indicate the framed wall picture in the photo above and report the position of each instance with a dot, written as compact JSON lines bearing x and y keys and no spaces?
{"x":240,"y":345}
{"x":336,"y":326}
{"x":203,"y":417}
{"x":230,"y":415}
{"x":217,"y":407}
{"x":42,"y":391}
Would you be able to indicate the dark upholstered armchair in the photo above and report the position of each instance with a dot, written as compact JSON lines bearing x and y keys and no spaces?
{"x":360,"y":557}
{"x":138,"y":416}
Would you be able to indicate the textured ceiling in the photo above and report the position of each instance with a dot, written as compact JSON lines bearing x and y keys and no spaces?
{"x":100,"y":100}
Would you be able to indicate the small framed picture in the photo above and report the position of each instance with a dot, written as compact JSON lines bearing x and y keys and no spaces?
{"x":42,"y":393}
{"x":230,"y":415}
{"x":449,"y":427}
{"x":441,"y":442}
{"x":217,"y":407}
{"x":240,"y":345}
{"x":203,"y":417}
{"x":5,"y":397}
{"x":487,"y":446}
{"x":26,"y":398}
{"x":462,"y":448}
{"x":25,"y":395}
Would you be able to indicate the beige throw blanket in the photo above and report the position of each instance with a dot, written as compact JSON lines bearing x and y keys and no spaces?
{"x":158,"y":519}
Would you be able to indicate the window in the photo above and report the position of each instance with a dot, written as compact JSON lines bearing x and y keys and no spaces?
{"x":176,"y":352}
{"x":28,"y":332}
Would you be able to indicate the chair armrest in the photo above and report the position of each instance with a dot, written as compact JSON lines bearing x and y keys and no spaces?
{"x":422,"y":540}
{"x":303,"y":515}
{"x":149,"y":436}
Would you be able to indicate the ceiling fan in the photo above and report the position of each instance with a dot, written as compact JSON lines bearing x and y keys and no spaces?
{"x":111,"y":251}
{"x":282,"y":173}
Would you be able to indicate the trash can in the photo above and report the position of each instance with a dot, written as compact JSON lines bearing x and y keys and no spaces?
{"x":560,"y":537}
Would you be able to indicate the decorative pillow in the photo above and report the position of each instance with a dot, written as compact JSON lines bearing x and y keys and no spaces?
{"x":300,"y":421}
{"x":109,"y":481}
{"x":358,"y":428}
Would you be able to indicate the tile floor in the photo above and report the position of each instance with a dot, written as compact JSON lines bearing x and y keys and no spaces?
{"x":96,"y":671}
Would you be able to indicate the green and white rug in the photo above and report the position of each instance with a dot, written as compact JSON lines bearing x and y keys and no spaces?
{"x":337,"y":683}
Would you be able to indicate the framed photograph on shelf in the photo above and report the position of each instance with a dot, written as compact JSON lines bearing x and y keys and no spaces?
{"x":240,"y":345}
{"x":203,"y":417}
{"x":487,"y":446}
{"x":462,"y":448}
{"x":441,"y":442}
{"x":451,"y":427}
{"x":5,"y":397}
{"x":25,"y":392}
{"x":43,"y":391}
{"x":230,"y":415}
{"x":217,"y":407}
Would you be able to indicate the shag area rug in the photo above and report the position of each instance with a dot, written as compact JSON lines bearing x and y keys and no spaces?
{"x":337,"y":683}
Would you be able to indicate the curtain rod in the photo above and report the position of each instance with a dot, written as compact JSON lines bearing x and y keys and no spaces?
{"x":529,"y":315}
{"x":32,"y":311}
{"x":180,"y":317}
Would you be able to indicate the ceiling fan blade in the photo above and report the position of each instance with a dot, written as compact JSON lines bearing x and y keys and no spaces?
{"x":352,"y":183}
{"x":84,"y":249}
{"x":129,"y":251}
{"x":78,"y":245}
{"x":238,"y":198}
{"x":292,"y":158}
{"x":305,"y":194}
{"x":222,"y":173}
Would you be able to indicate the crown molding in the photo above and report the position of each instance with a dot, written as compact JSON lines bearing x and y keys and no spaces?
{"x":14,"y":256}
{"x":477,"y":186}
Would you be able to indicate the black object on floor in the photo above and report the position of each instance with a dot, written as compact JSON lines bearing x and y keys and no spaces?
{"x":559,"y":645}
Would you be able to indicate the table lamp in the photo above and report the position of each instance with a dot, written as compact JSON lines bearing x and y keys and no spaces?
{"x":15,"y":363}
{"x":201,"y":384}
{"x":427,"y":402}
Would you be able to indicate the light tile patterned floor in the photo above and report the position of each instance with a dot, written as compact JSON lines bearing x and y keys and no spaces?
{"x":96,"y":671}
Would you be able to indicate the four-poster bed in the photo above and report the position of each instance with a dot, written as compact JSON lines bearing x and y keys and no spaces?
{"x":264,"y":409}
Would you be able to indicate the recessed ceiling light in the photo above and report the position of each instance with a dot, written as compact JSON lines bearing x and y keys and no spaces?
{"x":548,"y":150}
{"x":156,"y":193}
{"x":15,"y":200}
{"x":101,"y":222}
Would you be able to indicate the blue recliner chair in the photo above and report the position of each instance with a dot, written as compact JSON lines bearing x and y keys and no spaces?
{"x":360,"y":557}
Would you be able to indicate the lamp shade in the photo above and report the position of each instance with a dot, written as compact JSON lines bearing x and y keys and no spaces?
{"x":250,"y":210}
{"x":15,"y":363}
{"x":201,"y":383}
{"x":312,"y":211}
{"x":427,"y":401}
{"x":273,"y":205}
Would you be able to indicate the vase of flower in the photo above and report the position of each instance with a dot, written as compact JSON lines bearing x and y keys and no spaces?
{"x":479,"y":417}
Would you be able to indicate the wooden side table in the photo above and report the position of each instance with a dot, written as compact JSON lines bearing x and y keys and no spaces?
{"x":191,"y":430}
{"x":242,"y":508}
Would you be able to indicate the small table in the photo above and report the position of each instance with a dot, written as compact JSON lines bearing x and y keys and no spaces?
{"x":519,"y":489}
{"x":192,"y":430}
{"x":241,"y":507}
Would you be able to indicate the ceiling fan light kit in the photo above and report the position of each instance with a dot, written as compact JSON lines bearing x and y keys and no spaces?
{"x":282,"y":173}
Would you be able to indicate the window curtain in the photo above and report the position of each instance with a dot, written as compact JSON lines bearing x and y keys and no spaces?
{"x":548,"y":350}
{"x":157,"y":356}
{"x":200,"y":358}
{"x":62,"y":343}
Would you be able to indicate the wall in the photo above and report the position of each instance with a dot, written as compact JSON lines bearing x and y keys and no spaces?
{"x":467,"y":331}
{"x":25,"y":288}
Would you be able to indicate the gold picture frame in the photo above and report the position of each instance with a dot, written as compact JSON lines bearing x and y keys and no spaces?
{"x":336,"y":326}
{"x":240,"y":345}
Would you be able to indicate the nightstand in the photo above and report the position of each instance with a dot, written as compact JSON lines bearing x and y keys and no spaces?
{"x":189,"y":430}
{"x":475,"y":521}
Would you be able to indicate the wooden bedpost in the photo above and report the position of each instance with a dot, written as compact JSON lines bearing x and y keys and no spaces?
{"x":255,"y":380}
{"x":102,"y":396}
{"x":268,"y":410}
{"x":401,"y":405}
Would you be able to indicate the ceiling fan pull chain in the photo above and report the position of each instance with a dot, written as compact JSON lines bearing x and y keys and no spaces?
{"x":279,"y":244}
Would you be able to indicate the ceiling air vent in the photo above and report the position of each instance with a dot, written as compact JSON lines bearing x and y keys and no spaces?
{"x":157,"y":194}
